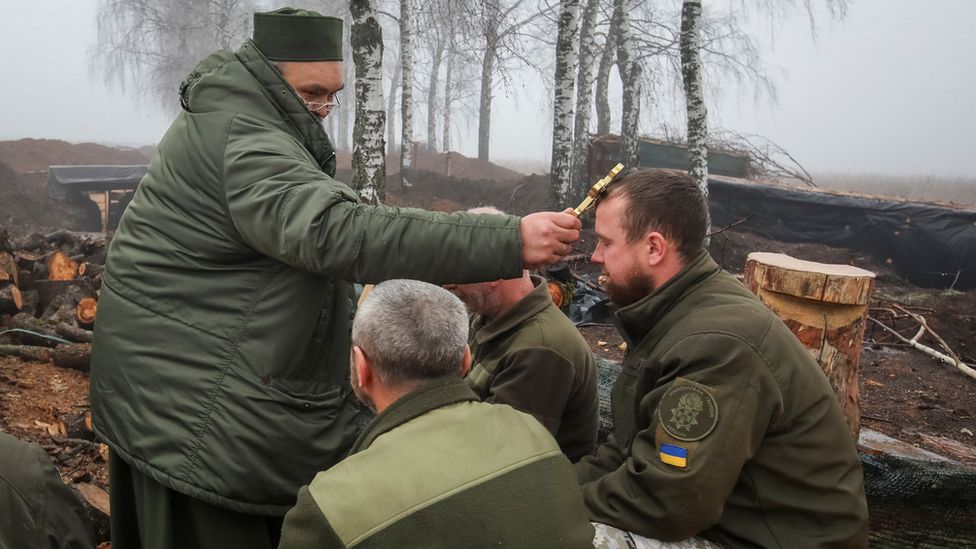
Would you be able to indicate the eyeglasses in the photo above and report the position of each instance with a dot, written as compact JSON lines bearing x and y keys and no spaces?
{"x":316,"y":107}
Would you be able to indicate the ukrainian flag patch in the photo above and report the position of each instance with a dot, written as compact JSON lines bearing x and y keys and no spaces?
{"x":674,"y":455}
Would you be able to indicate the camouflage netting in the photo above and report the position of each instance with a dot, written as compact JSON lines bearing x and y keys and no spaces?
{"x":919,"y":504}
{"x":912,"y":504}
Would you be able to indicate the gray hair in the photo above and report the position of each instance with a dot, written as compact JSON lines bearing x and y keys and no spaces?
{"x":411,"y":331}
{"x":486,"y":210}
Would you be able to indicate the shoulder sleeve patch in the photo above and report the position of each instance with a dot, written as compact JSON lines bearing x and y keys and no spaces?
{"x":688,"y":411}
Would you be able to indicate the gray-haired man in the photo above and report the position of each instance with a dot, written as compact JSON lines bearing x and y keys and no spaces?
{"x":436,"y":468}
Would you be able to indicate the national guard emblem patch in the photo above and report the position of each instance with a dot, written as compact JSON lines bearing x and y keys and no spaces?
{"x":687,"y":411}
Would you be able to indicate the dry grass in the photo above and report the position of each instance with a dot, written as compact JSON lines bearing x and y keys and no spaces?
{"x":929,"y":188}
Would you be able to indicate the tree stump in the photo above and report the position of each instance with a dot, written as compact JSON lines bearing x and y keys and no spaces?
{"x":826,"y":306}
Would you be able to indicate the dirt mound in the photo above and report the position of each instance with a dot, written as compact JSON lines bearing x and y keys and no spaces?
{"x":461,"y":167}
{"x":27,"y":156}
{"x":24,"y":205}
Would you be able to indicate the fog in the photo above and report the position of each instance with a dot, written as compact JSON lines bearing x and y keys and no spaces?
{"x":887,"y":90}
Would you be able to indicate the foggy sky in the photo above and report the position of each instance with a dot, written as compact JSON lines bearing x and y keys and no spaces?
{"x":888,"y":90}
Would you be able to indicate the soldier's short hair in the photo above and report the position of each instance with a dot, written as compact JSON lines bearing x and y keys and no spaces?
{"x":664,"y":201}
{"x":411,"y":331}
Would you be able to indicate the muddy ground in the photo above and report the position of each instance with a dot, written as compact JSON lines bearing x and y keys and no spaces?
{"x":904,"y":393}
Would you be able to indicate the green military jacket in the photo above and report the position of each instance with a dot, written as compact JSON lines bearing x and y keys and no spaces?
{"x":220,"y":363}
{"x":37,"y":510}
{"x":534,"y":359}
{"x":438,"y":469}
{"x":724,"y":427}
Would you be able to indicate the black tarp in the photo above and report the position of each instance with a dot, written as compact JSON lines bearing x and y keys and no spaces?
{"x":930,"y":246}
{"x":62,"y":179}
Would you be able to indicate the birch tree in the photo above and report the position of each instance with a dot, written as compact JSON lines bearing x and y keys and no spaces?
{"x":368,"y":160}
{"x":406,"y":92}
{"x":152,"y":45}
{"x":630,"y":78}
{"x":584,"y":98}
{"x":602,"y":97}
{"x":694,"y":93}
{"x":564,"y":87}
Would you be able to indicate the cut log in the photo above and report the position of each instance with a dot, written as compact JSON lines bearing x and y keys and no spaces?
{"x":73,"y":356}
{"x":31,"y":302}
{"x":74,"y":334}
{"x":96,"y":502}
{"x":61,"y":267}
{"x":78,"y":426}
{"x":826,"y":307}
{"x":9,"y":270}
{"x":86,"y":310}
{"x":27,"y":353}
{"x":10,"y":300}
{"x":37,"y":332}
{"x":55,"y":294}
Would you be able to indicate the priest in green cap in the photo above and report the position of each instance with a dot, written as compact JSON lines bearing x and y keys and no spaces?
{"x":220,"y":365}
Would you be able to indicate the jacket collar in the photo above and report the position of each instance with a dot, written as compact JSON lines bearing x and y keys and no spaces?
{"x":636,"y":321}
{"x":287,"y":102}
{"x":532,"y":304}
{"x":429,"y":396}
{"x":218,"y":83}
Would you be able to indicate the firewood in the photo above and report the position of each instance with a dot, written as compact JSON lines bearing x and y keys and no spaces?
{"x":61,"y":267}
{"x":9,"y":270}
{"x":35,"y":331}
{"x":25,"y":259}
{"x":96,"y":502}
{"x":74,"y":334}
{"x":26,"y":352}
{"x":86,"y":310}
{"x":57,"y":294}
{"x":78,"y":426}
{"x":73,"y":356}
{"x":10,"y":300}
{"x":31,"y":302}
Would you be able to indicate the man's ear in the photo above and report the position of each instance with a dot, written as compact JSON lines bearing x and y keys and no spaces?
{"x":658,"y":248}
{"x":364,"y":370}
{"x":466,"y":363}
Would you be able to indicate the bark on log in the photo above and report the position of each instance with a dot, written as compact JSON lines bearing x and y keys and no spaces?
{"x":826,"y":306}
{"x":23,"y":321}
{"x":27,"y":353}
{"x":10,"y":299}
{"x":73,"y":356}
{"x":78,"y":426}
{"x":31,"y":302}
{"x":55,"y":294}
{"x":96,"y":502}
{"x":9,"y":270}
{"x":74,"y":334}
{"x":61,"y":267}
{"x":85,"y":311}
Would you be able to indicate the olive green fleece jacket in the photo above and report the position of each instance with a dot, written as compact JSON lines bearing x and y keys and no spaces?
{"x":220,"y":363}
{"x":37,"y":510}
{"x":438,"y":469}
{"x":713,"y":375}
{"x":533,"y":358}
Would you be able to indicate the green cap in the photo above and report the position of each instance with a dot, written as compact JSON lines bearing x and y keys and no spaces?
{"x":290,"y":34}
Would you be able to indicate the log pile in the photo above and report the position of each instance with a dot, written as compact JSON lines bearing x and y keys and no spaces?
{"x":49,"y":295}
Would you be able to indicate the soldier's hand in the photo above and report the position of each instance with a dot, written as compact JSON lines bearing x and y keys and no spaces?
{"x":547,"y":237}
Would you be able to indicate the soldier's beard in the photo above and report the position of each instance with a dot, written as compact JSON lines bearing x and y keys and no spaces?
{"x":634,"y":287}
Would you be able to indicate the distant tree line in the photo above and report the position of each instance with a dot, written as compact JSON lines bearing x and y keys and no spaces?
{"x":447,"y":59}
